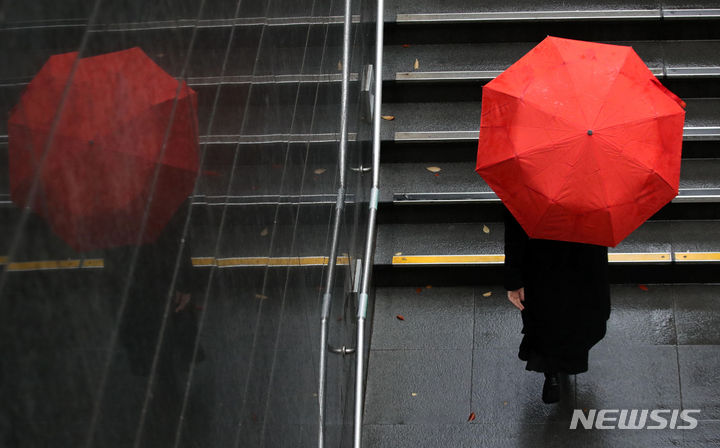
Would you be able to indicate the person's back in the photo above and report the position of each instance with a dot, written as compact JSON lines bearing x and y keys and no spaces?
{"x":563,"y":292}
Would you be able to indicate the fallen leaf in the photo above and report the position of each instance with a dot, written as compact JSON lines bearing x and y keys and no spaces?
{"x":504,"y":403}
{"x":472,"y":417}
{"x":397,"y":254}
{"x":643,"y":287}
{"x":487,"y":294}
{"x":419,"y":290}
{"x":264,"y":232}
{"x":428,"y":287}
{"x":437,"y":174}
{"x":320,"y":170}
{"x":388,"y":117}
{"x":416,"y":65}
{"x":339,"y":65}
{"x":414,"y":394}
{"x":406,"y":45}
{"x":433,"y":169}
{"x":400,"y":317}
{"x":486,"y":229}
{"x":260,"y":296}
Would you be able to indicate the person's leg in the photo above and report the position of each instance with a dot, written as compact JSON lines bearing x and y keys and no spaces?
{"x":551,"y":388}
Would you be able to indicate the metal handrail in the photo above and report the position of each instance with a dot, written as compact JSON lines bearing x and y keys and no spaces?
{"x":337,"y":219}
{"x":371,"y":230}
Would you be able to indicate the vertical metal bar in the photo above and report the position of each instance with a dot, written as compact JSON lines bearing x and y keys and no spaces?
{"x":337,"y":219}
{"x":371,"y":230}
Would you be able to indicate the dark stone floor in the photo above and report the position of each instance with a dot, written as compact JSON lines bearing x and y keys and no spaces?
{"x":455,"y":353}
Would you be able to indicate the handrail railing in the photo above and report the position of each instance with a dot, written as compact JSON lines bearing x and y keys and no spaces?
{"x":337,"y":219}
{"x":371,"y":231}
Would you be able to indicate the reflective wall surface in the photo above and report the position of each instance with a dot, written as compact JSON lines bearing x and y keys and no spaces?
{"x":154,"y":295}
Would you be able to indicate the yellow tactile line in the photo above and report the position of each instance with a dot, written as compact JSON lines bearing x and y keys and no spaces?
{"x":448,"y":259}
{"x":52,"y":265}
{"x":640,"y":257}
{"x":697,"y":256}
{"x":98,"y":263}
{"x":662,"y":257}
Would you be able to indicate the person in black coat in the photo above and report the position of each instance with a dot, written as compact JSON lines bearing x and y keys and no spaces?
{"x":159,"y":320}
{"x":563,"y":293}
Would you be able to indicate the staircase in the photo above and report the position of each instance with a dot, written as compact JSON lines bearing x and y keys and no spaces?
{"x":443,"y":367}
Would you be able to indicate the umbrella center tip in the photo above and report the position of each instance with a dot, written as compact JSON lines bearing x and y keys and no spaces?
{"x":589,"y":131}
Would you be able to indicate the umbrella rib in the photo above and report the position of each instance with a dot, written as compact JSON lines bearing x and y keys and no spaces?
{"x":614,"y":81}
{"x":571,"y":80}
{"x":547,"y":209}
{"x":536,"y":106}
{"x":639,"y":120}
{"x":628,"y":156}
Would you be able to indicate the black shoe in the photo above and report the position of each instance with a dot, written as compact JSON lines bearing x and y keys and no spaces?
{"x":551,"y":388}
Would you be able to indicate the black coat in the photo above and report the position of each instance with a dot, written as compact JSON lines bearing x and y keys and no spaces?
{"x":152,"y":284}
{"x":567,"y":298}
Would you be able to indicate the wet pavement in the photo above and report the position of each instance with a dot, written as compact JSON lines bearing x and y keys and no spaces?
{"x":454,"y":354}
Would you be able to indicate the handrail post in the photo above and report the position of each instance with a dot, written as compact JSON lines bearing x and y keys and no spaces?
{"x":371,"y":231}
{"x":337,"y":219}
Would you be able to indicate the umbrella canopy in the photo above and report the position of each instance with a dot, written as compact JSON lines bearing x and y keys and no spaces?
{"x":580,"y":141}
{"x":123,"y":155}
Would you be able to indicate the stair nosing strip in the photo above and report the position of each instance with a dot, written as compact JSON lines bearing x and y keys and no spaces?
{"x":530,"y":16}
{"x":689,"y":134}
{"x":486,"y":75}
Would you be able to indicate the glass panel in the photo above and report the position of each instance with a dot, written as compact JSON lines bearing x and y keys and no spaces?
{"x":167,"y":196}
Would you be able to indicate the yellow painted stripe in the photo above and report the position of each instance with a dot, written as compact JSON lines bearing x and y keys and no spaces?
{"x":203,"y":261}
{"x":98,"y":263}
{"x":448,"y":259}
{"x":266,"y":261}
{"x":499,"y":258}
{"x":47,"y":265}
{"x":697,"y":256}
{"x":640,"y":257}
{"x":94,"y":263}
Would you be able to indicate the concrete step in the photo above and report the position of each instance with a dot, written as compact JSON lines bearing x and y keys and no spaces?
{"x":169,"y":13}
{"x":466,"y":253}
{"x":298,"y":108}
{"x":455,"y":72}
{"x":484,"y":61}
{"x":427,"y":11}
{"x":257,"y":49}
{"x":290,"y":235}
{"x":410,"y":192}
{"x":425,"y":21}
{"x":428,"y":122}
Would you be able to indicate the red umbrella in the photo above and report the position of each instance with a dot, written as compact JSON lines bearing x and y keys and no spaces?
{"x":580,"y":141}
{"x":97,"y":177}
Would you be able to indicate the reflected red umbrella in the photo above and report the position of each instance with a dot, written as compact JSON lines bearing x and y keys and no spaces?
{"x":580,"y":141}
{"x":97,"y":180}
